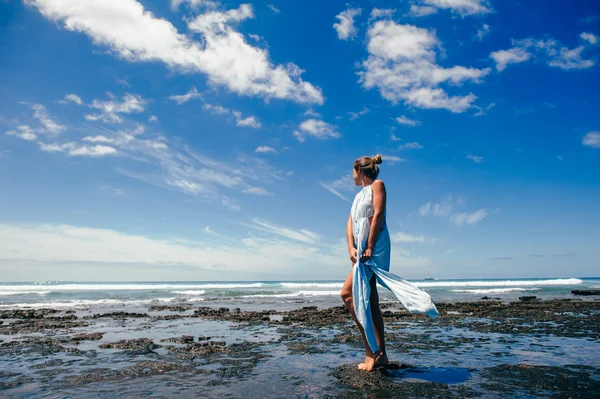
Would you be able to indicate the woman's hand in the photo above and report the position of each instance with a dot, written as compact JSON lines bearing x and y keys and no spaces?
{"x":366,"y":255}
{"x":353,"y":254}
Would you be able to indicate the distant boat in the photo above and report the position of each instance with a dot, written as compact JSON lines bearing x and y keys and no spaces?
{"x":430,"y":279}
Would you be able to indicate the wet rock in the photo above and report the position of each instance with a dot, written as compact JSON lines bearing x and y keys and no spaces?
{"x":387,"y":383}
{"x":234,"y":316}
{"x":15,"y":383}
{"x":304,"y":348}
{"x":49,"y":363}
{"x":34,"y":325}
{"x":185,"y":339}
{"x":142,"y":369}
{"x":140,"y":345}
{"x":42,"y":346}
{"x":172,"y":308}
{"x":528,"y":298}
{"x":26,"y":313}
{"x":585,"y":292}
{"x":87,"y":337}
{"x":563,"y":381}
{"x":348,"y":337}
{"x":117,"y":315}
{"x":169,"y":317}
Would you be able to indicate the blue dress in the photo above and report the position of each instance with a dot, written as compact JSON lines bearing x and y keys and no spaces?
{"x":412,"y":297}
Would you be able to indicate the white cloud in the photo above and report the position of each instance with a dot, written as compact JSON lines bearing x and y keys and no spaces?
{"x":345,"y":27}
{"x":250,"y":121}
{"x":49,"y":126}
{"x":482,"y":111}
{"x":550,"y":51}
{"x":216,"y":109}
{"x":230,"y":203}
{"x":592,"y":139}
{"x":194,"y":4}
{"x":513,"y":56}
{"x":475,"y":158}
{"x":111,"y":110}
{"x":333,"y":191}
{"x":461,"y":7}
{"x":468,"y":218}
{"x":73,"y":98}
{"x":240,"y":121}
{"x":405,"y":237}
{"x":312,"y":113}
{"x":184,"y":98}
{"x":569,"y":59}
{"x":442,"y":208}
{"x":98,"y":139}
{"x":317,"y":129}
{"x":302,"y":235}
{"x":411,"y":146}
{"x":589,"y":37}
{"x":421,"y":11}
{"x":137,"y":35}
{"x":263,"y":149}
{"x":23,"y":132}
{"x":355,"y":115}
{"x":403,"y":120}
{"x":450,"y":251}
{"x":274,"y":9}
{"x":424,"y":210}
{"x":483,"y":32}
{"x":73,"y":149}
{"x":392,"y":159}
{"x":377,"y":13}
{"x":153,"y":118}
{"x":92,"y":151}
{"x":256,"y":191}
{"x":345,"y":183}
{"x":402,"y":65}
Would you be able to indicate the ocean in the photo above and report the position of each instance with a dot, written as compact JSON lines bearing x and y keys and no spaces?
{"x":260,"y":295}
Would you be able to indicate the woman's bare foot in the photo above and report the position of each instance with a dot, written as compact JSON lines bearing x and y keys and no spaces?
{"x":374,"y":362}
{"x":369,"y":363}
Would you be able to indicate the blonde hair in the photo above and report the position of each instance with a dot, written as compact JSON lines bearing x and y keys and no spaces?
{"x":368,"y":165}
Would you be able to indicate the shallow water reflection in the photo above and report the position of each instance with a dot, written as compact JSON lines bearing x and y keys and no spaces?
{"x":442,"y":375}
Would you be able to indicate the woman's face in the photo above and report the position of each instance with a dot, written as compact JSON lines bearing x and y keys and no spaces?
{"x":357,"y":177}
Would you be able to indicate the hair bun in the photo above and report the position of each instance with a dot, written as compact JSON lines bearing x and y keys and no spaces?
{"x":377,"y":159}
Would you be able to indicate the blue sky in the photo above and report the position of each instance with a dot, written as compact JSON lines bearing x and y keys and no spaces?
{"x":205,"y":140}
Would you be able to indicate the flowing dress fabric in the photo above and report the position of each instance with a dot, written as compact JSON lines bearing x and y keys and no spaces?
{"x":412,"y":297}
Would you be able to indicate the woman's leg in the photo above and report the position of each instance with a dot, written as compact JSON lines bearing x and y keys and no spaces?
{"x":348,"y":301}
{"x":378,"y":322}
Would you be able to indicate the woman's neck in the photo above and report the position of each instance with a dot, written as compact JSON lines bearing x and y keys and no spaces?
{"x":367,"y":182}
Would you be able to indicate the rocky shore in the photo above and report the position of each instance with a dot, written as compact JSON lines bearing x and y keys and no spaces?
{"x":476,"y":349}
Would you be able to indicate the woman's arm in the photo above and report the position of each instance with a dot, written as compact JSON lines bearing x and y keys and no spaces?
{"x":350,"y":239}
{"x":379,"y":199}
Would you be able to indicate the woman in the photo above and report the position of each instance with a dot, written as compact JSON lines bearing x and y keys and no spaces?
{"x":369,"y":248}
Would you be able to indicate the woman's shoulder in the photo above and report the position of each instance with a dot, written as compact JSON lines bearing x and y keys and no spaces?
{"x":378,"y":185}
